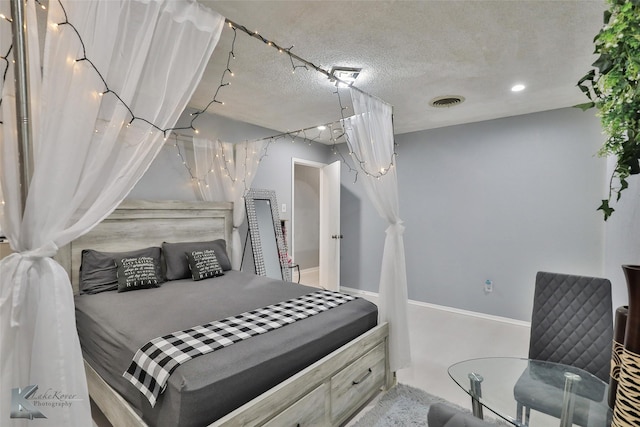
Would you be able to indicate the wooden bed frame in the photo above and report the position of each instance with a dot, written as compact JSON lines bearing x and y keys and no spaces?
{"x":329,"y":392}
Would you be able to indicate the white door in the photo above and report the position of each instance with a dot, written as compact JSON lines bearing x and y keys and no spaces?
{"x":330,"y":236}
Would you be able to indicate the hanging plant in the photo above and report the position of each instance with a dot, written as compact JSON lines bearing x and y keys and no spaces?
{"x":612,"y":88}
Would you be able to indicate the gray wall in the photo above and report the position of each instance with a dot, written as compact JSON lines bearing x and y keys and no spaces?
{"x":276,"y":169}
{"x":495,"y":200}
{"x":167,"y":178}
{"x":363,"y":235}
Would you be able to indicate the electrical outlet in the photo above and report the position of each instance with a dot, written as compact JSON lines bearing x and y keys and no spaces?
{"x":488,"y":286}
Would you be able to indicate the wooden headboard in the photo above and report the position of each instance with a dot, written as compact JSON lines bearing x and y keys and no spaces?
{"x":137,"y":224}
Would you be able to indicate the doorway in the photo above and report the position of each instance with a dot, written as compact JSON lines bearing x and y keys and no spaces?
{"x":315,"y":222}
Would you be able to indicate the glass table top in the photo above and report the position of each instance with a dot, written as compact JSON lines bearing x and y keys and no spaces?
{"x":507,"y":385}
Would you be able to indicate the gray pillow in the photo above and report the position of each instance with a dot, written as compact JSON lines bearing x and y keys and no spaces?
{"x":98,"y":271}
{"x":136,"y":273}
{"x":204,"y":264}
{"x":177,"y":263}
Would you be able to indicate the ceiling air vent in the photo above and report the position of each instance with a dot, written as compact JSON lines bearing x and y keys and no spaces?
{"x":446,"y":101}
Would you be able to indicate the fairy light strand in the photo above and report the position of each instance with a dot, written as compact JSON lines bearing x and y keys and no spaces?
{"x":303,"y":63}
{"x":5,"y":57}
{"x":294,"y":66}
{"x":306,"y":64}
{"x":183,"y":159}
{"x":222,"y":84}
{"x":109,"y":91}
{"x":220,"y":152}
{"x":354,"y":154}
{"x":5,"y":60}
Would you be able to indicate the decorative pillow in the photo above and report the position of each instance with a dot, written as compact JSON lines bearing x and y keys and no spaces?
{"x":204,"y":264}
{"x":136,"y":273}
{"x":98,"y":271}
{"x":176,"y":261}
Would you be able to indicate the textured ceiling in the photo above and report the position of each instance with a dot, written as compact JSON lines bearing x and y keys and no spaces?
{"x":410,"y":52}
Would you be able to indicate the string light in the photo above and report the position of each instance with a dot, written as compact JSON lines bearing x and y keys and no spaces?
{"x":5,"y":60}
{"x":5,"y":57}
{"x":192,"y":175}
{"x":224,"y":83}
{"x":107,"y":90}
{"x":224,"y":168}
{"x":306,"y":64}
{"x":361,"y":163}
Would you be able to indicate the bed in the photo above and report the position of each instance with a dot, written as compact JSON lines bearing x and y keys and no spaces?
{"x":336,"y":361}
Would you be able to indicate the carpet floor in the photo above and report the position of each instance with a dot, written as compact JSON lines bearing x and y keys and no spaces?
{"x":403,"y":405}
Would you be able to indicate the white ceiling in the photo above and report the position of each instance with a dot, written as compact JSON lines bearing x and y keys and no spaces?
{"x":410,"y":52}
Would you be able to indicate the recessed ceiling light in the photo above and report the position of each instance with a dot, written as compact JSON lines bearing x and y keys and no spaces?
{"x":322,"y":127}
{"x":518,"y":88}
{"x":345,"y":76}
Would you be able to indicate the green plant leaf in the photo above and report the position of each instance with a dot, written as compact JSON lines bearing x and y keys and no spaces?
{"x":624,"y":184}
{"x":632,"y":164}
{"x":613,"y":86}
{"x":606,"y":209}
{"x":604,"y":63}
{"x":587,"y":78}
{"x":585,"y":106}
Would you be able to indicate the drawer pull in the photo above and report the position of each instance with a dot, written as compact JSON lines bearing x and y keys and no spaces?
{"x":362,"y":378}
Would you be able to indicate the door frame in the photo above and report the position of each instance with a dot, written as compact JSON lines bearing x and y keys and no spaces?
{"x":297,"y":161}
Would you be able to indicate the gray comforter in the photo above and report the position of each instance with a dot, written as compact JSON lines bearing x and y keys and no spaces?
{"x":112,"y":326}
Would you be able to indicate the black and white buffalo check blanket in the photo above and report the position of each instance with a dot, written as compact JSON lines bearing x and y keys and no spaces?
{"x":155,"y":361}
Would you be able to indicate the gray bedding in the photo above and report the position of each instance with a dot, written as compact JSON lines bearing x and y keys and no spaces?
{"x":112,"y":326}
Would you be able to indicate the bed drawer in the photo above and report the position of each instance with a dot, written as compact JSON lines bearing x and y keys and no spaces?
{"x":306,"y":412}
{"x":355,"y":384}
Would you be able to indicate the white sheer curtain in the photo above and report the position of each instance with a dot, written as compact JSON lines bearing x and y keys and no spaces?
{"x":370,"y":133}
{"x":225,"y":172}
{"x":87,"y":157}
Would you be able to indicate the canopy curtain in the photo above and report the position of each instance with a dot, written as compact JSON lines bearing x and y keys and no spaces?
{"x":88,"y":154}
{"x":370,"y":133}
{"x":228,"y":170}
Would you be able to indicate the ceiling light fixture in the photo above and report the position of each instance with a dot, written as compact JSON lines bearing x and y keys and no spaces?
{"x":344,"y":76}
{"x":517,"y":88}
{"x":322,"y":127}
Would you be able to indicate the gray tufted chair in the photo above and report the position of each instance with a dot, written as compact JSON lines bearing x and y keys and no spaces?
{"x":572,"y":324}
{"x":441,"y":415}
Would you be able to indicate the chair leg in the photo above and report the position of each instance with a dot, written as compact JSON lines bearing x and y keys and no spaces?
{"x":527,"y":414}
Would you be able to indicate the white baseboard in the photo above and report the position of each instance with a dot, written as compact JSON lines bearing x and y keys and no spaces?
{"x":312,"y":270}
{"x":445,"y":308}
{"x":355,"y":291}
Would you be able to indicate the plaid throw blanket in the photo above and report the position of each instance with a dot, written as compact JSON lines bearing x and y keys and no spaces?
{"x":155,"y":361}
